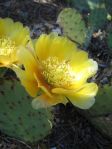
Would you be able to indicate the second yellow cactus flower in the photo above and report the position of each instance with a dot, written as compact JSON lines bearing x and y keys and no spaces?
{"x":57,"y":71}
{"x":12,"y":36}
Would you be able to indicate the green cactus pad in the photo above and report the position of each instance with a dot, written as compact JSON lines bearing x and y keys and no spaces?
{"x":94,"y":4}
{"x":87,"y":5}
{"x":2,"y":71}
{"x":79,"y":4}
{"x":103,"y":104}
{"x":104,"y":124}
{"x":109,"y":39}
{"x":18,"y":118}
{"x":101,"y":113}
{"x":72,"y":24}
{"x":97,"y":18}
{"x":108,"y":4}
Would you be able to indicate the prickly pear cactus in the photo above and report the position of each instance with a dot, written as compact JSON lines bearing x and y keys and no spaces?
{"x":101,"y":113}
{"x":81,"y":5}
{"x":104,"y":124}
{"x":2,"y":71}
{"x":72,"y":24}
{"x":18,"y":118}
{"x":109,"y":40}
{"x":87,"y":5}
{"x":97,"y":18}
{"x":108,"y":4}
{"x":103,"y":104}
{"x":94,"y":4}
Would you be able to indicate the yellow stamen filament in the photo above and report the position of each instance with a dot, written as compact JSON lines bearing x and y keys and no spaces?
{"x":56,"y":73}
{"x":7,"y":46}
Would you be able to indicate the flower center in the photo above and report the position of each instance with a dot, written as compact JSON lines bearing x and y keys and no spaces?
{"x":7,"y":46}
{"x":56,"y":73}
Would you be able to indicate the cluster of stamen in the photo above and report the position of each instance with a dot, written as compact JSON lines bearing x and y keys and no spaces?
{"x":7,"y":46}
{"x":57,"y":73}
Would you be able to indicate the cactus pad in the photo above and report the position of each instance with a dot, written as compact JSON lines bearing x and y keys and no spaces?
{"x":109,"y":39}
{"x":81,"y":5}
{"x":101,"y":113}
{"x":72,"y":24}
{"x":108,"y":4}
{"x":17,"y":117}
{"x":87,"y":5}
{"x":97,"y":18}
{"x":103,"y":104}
{"x":104,"y":124}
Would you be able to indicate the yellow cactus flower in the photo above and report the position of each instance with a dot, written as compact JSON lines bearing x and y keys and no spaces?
{"x":57,"y":71}
{"x":12,"y":36}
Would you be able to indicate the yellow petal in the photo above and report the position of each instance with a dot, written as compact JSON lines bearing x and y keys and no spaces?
{"x":54,"y":46}
{"x":20,"y":34}
{"x":79,"y":58}
{"x":43,"y":85}
{"x":4,"y":60}
{"x":6,"y":27}
{"x":27,"y":80}
{"x":12,"y":36}
{"x":44,"y":101}
{"x":83,"y":98}
{"x":86,"y":70}
{"x":31,"y":65}
{"x":15,"y":31}
{"x":26,"y":58}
